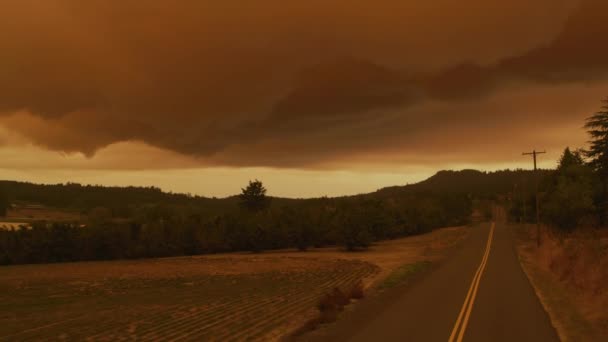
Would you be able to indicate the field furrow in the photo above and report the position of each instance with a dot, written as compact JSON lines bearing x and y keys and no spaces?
{"x":204,"y":306}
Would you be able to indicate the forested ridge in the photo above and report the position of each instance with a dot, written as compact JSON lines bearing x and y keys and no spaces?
{"x":133,"y":222}
{"x":124,"y":200}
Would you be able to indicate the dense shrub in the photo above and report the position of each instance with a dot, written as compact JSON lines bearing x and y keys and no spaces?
{"x":569,"y":197}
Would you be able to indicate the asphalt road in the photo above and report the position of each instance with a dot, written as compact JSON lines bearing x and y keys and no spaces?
{"x":438,"y":307}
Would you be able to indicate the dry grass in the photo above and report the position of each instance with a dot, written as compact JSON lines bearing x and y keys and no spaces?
{"x":393,"y":254}
{"x":330,"y":305}
{"x":333,"y":301}
{"x":222,"y":297}
{"x":403,"y":274}
{"x":357,"y":291}
{"x":570,"y":273}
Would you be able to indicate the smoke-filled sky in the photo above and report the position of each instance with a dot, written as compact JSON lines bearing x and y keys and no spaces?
{"x":312,"y":97}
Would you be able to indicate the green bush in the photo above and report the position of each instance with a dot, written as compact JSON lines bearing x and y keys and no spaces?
{"x":569,"y":198}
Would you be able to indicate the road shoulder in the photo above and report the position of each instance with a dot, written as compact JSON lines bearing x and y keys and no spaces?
{"x":557,"y":298}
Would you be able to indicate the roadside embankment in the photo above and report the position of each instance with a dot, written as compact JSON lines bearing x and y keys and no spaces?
{"x":570,"y":276}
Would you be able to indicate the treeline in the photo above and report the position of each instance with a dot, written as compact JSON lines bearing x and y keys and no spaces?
{"x":120,"y":201}
{"x":128,"y":202}
{"x":571,"y":196}
{"x":256,"y":224}
{"x":4,"y":204}
{"x":145,"y":222}
{"x":576,"y":193}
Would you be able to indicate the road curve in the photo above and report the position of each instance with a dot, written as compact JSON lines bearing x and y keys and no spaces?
{"x":482,"y":283}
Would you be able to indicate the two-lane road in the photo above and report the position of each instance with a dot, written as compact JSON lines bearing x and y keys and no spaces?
{"x":479,"y":294}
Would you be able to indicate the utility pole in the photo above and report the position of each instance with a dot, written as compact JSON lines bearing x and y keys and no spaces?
{"x":523,"y":200}
{"x":513,"y":198}
{"x":534,"y":153}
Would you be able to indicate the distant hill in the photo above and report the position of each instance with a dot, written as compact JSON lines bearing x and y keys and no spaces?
{"x":478,"y":184}
{"x":82,"y":197}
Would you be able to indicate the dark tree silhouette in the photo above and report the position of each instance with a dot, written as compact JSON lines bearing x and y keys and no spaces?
{"x":570,"y":193}
{"x":570,"y":158}
{"x":253,"y":197}
{"x":3,"y":204}
{"x":597,"y":127}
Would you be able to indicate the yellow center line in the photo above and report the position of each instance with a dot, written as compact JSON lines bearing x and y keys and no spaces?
{"x":467,"y":306}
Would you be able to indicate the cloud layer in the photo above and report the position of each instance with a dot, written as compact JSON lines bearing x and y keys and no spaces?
{"x":303,"y":84}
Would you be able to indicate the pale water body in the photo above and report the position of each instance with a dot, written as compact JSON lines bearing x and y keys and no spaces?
{"x":12,"y":225}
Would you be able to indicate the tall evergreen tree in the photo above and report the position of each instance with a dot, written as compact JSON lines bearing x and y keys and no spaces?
{"x":570,"y":193}
{"x":597,"y":127}
{"x":253,"y":197}
{"x":570,"y":158}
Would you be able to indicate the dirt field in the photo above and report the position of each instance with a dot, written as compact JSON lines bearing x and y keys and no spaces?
{"x":224,"y":297}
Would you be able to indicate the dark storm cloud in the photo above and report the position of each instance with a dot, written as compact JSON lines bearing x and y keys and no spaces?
{"x":576,"y":54}
{"x":344,"y":86}
{"x":276,"y":84}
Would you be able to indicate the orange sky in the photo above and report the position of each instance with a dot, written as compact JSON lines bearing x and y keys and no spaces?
{"x":312,"y":97}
